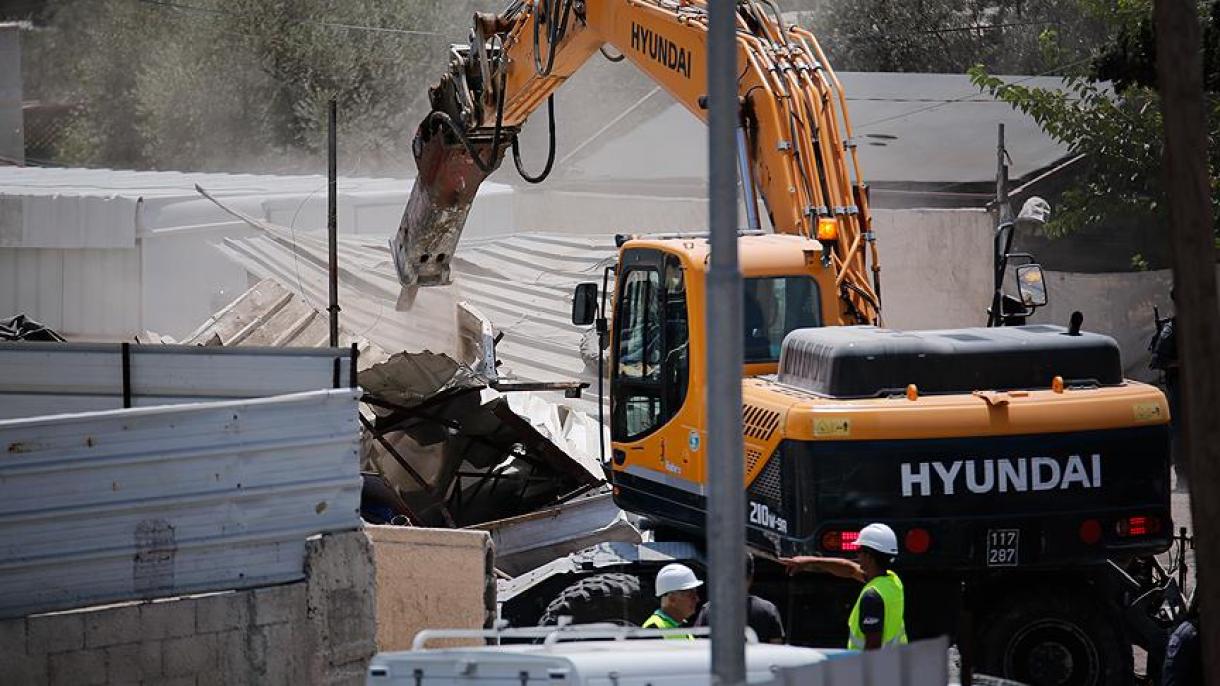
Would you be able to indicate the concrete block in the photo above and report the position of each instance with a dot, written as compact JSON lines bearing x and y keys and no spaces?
{"x":428,"y":579}
{"x":279,"y":604}
{"x":236,"y":649}
{"x":23,"y":669}
{"x":192,"y":655}
{"x":78,"y":668}
{"x":343,"y":560}
{"x":124,"y":664}
{"x":289,"y":657}
{"x":12,"y":637}
{"x":342,"y":602}
{"x":55,"y":633}
{"x":112,"y":626}
{"x":222,"y":612}
{"x":168,"y":618}
{"x":150,"y":659}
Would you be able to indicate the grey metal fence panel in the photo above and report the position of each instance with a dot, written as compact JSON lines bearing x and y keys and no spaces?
{"x":922,"y":663}
{"x":56,"y":378}
{"x":152,"y":502}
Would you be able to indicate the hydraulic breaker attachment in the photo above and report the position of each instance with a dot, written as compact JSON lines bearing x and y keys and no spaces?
{"x":449,"y":177}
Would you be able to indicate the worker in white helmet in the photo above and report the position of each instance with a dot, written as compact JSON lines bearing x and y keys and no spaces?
{"x":877,"y":618}
{"x":675,"y":586}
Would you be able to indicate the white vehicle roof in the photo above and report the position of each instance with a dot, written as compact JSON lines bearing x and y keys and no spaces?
{"x":601,"y":662}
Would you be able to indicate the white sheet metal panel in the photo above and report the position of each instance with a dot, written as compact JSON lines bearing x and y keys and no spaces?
{"x":522,"y":283}
{"x":60,"y":378}
{"x":31,"y":281}
{"x":173,"y":277}
{"x":151,"y":502}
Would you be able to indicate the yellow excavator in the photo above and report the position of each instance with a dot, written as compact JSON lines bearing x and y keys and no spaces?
{"x":1028,"y":482}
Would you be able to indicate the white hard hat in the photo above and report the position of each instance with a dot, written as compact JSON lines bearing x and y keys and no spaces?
{"x":676,"y":577}
{"x":880,"y":538}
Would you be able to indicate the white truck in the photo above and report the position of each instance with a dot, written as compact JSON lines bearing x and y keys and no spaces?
{"x":611,"y":655}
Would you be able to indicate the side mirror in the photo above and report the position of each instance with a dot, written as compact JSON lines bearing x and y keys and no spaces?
{"x":584,"y":304}
{"x":1031,"y":285}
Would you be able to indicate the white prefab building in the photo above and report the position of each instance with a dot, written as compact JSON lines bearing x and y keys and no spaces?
{"x":103,"y":254}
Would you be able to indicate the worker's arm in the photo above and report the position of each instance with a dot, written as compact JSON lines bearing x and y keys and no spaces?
{"x":872,"y":618}
{"x":829,"y":565}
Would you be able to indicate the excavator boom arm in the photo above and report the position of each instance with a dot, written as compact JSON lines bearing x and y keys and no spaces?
{"x":794,"y":121}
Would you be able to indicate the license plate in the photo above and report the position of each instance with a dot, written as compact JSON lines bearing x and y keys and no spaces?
{"x":1002,"y":547}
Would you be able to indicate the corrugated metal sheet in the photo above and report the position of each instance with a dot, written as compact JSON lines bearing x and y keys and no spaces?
{"x":522,"y":283}
{"x":150,"y":502}
{"x":58,"y":378}
{"x":114,"y":252}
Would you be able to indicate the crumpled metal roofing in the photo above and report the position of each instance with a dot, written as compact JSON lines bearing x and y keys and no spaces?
{"x":454,"y":450}
{"x":523,"y":284}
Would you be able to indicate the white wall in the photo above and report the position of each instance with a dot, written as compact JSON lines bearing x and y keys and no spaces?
{"x":103,"y":255}
{"x":89,"y":292}
{"x":1118,"y":305}
{"x":935,"y":267}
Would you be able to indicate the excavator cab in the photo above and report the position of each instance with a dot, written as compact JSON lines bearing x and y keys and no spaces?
{"x":657,"y":347}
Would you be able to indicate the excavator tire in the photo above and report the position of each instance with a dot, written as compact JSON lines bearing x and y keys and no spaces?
{"x":615,"y":598}
{"x":1060,"y":639}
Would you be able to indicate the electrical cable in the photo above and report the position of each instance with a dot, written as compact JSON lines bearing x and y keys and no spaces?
{"x":964,"y":98}
{"x":550,"y":155}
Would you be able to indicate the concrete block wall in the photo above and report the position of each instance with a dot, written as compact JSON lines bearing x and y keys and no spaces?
{"x":431,"y":579}
{"x":318,"y":631}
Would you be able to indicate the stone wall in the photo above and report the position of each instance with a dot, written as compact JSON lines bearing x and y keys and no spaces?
{"x":431,"y":579}
{"x":320,"y":630}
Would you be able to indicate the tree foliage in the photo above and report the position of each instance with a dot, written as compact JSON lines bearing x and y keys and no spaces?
{"x":949,"y":36}
{"x":1109,"y":111}
{"x":231,"y":84}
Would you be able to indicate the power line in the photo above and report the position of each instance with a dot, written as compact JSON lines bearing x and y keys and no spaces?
{"x":313,"y":22}
{"x":950,"y":29}
{"x":969,"y":96}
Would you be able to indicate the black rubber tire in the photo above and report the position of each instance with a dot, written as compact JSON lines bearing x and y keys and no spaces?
{"x":612,"y":597}
{"x":1055,"y":639}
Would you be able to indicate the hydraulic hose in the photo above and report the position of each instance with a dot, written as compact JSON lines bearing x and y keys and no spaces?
{"x":550,"y":155}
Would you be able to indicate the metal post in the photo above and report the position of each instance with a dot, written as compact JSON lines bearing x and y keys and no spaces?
{"x":747,"y":181}
{"x":726,"y":491}
{"x":1003,"y":234}
{"x":332,"y":223}
{"x":1188,"y":192}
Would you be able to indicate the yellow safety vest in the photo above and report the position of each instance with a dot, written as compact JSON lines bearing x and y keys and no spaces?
{"x":660,"y":620}
{"x":894,"y":632}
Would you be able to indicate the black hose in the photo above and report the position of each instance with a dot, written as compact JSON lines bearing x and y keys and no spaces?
{"x":557,"y":29}
{"x":613,"y":58}
{"x":489,"y":166}
{"x":550,"y":155}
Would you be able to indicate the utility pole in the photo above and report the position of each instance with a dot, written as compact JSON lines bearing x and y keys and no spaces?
{"x":332,"y":221}
{"x":726,"y":511}
{"x":1003,"y":233}
{"x":1197,"y":309}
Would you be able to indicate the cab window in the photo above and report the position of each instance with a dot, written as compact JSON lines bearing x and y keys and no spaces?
{"x":653,"y":360}
{"x":774,"y":306}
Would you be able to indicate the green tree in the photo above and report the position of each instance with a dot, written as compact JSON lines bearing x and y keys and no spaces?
{"x":242,"y":84}
{"x":949,"y":36}
{"x":1109,"y":112}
